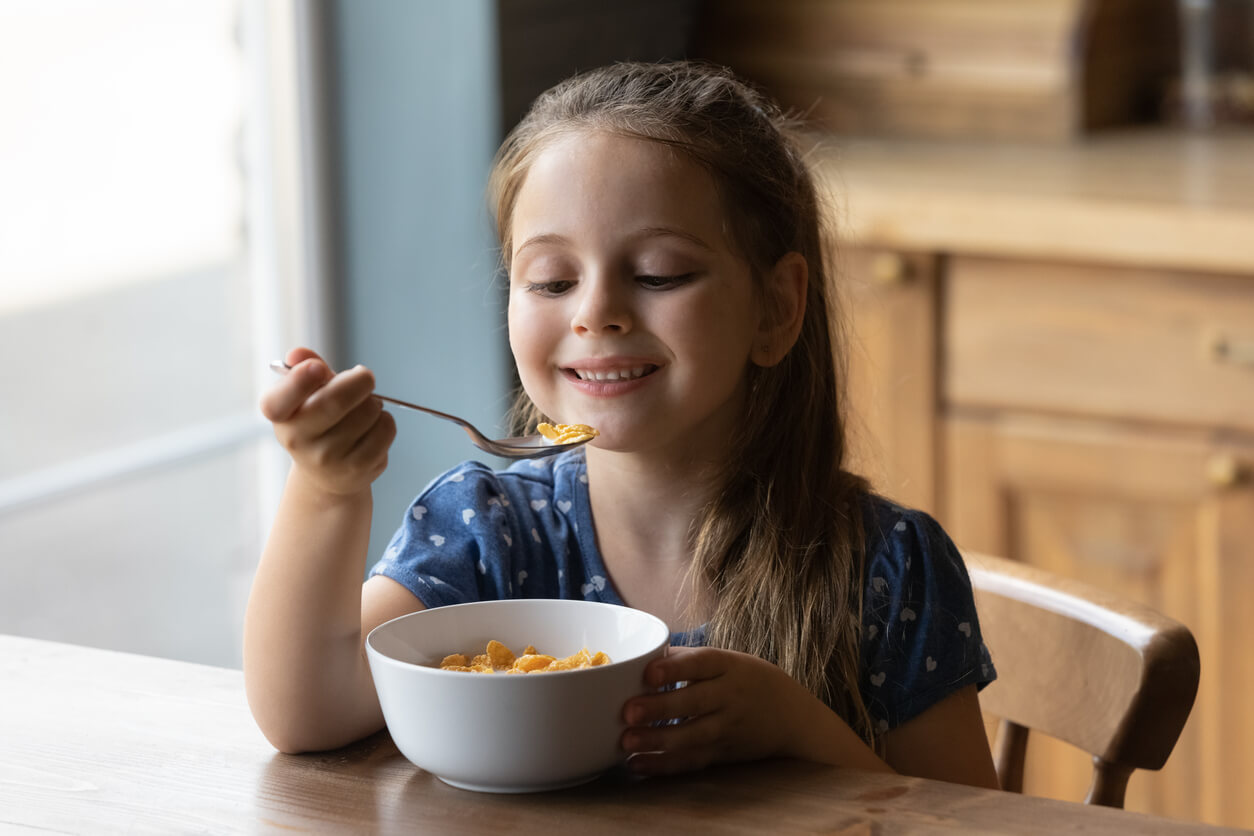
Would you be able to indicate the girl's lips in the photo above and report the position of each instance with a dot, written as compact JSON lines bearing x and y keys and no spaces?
{"x":613,"y":373}
{"x":608,"y":378}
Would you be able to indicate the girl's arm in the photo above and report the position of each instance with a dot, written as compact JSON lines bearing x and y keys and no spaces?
{"x":305,"y":670}
{"x":947,"y":742}
{"x":739,"y":707}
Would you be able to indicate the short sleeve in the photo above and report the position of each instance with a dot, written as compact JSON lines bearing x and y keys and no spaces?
{"x":921,"y":635}
{"x":453,"y":545}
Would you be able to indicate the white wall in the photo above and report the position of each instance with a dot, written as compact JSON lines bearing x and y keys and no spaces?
{"x":416,"y":115}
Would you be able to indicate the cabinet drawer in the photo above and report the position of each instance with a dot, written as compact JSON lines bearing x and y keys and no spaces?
{"x":1110,"y":342}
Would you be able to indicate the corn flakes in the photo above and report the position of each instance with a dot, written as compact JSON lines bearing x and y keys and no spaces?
{"x":566,"y":433}
{"x":500,"y":659}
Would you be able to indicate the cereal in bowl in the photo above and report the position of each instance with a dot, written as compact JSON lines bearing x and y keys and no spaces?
{"x":497,"y":658}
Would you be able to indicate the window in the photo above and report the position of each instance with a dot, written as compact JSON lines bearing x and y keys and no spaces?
{"x":150,"y":222}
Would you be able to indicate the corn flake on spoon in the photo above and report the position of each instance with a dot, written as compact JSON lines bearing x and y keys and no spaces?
{"x":518,"y":447}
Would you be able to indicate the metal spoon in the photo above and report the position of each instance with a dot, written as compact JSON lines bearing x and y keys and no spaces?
{"x":518,"y":447}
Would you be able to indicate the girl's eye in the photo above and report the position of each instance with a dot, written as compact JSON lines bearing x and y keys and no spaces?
{"x":554,"y":288}
{"x":664,"y":282}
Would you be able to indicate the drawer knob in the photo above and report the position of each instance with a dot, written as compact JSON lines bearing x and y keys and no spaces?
{"x":1226,"y":470}
{"x":890,"y":269}
{"x":1225,"y":349}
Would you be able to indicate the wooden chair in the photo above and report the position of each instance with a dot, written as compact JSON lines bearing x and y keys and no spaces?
{"x":1110,"y":676}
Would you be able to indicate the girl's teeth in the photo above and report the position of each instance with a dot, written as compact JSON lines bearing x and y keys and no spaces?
{"x":621,"y":374}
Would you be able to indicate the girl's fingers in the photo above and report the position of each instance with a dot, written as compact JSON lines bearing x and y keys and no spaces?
{"x":328,"y":405}
{"x":684,"y":664}
{"x":371,"y":452}
{"x":668,"y":763}
{"x":696,"y":699}
{"x":282,"y":400}
{"x":299,"y":355}
{"x":695,"y":740}
{"x":346,"y":433}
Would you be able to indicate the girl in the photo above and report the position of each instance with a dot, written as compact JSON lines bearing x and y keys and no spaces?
{"x":668,"y":286}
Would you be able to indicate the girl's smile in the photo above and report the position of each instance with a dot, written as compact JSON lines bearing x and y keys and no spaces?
{"x":611,"y":376}
{"x":628,"y":308}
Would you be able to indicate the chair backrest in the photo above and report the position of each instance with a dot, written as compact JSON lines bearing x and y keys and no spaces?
{"x":1110,"y":676}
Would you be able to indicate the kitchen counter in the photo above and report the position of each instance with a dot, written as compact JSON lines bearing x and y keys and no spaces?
{"x":1149,"y":198}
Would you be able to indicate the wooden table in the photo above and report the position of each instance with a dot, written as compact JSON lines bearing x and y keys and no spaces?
{"x":93,"y":741}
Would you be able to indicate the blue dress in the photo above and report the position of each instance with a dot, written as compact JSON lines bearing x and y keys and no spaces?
{"x":475,"y":534}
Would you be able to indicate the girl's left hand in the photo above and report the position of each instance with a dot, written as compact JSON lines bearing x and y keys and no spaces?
{"x":735,"y":707}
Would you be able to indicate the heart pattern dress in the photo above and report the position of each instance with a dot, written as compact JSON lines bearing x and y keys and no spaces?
{"x":476,"y":534}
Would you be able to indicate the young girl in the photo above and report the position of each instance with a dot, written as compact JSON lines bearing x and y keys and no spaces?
{"x":668,"y":286}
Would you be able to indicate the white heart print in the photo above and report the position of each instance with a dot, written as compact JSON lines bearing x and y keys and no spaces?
{"x":965,"y":629}
{"x":437,"y":539}
{"x":930,"y":664}
{"x":877,"y":679}
{"x":537,"y":504}
{"x":535,"y":535}
{"x":900,"y":526}
{"x":509,"y":541}
{"x":468,"y":515}
{"x":872,"y":631}
{"x":419,"y":511}
{"x":456,"y":477}
{"x":597,"y":582}
{"x":907,"y":614}
{"x":563,"y":505}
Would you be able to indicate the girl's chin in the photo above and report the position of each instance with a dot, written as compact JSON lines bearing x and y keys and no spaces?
{"x":610,"y":441}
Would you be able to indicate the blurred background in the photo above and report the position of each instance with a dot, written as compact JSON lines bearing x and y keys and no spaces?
{"x":1044,"y":230}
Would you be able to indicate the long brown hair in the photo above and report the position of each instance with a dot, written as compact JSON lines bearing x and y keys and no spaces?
{"x":781,"y":544}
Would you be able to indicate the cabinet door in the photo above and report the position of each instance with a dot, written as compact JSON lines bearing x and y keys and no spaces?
{"x":890,"y":301}
{"x":1164,"y":518}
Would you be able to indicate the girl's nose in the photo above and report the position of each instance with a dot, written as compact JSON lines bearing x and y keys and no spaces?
{"x":603,"y":308}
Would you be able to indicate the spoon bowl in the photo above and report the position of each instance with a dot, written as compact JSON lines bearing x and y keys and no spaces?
{"x":516,"y":447}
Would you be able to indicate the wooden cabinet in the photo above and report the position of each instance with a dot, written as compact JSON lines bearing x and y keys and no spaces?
{"x":890,"y":298}
{"x":1097,"y":421}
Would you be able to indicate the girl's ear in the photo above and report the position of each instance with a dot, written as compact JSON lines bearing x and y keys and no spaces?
{"x":783,"y":309}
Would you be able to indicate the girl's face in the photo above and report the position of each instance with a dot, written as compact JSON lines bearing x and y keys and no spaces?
{"x":628,"y":309}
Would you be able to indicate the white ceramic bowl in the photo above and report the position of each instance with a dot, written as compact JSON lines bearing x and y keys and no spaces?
{"x":512,"y":732}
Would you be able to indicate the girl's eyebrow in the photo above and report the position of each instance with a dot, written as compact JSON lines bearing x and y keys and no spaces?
{"x":546,"y":238}
{"x":670,"y":231}
{"x":646,"y":232}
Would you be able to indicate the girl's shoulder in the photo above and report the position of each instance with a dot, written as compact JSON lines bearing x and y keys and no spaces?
{"x":907,"y":549}
{"x":921,"y":637}
{"x":893,"y":531}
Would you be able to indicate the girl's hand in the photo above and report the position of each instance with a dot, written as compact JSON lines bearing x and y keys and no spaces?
{"x":337,"y":435}
{"x":738,"y":707}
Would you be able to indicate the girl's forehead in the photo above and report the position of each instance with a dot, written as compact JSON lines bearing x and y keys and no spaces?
{"x":591,"y":182}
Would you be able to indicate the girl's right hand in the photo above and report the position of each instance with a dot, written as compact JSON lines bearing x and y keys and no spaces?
{"x":336,"y":433}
